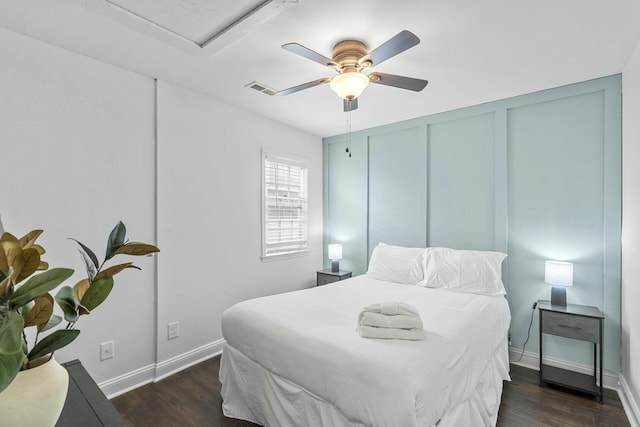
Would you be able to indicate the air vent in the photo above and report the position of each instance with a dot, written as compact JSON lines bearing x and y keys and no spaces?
{"x":261,"y":88}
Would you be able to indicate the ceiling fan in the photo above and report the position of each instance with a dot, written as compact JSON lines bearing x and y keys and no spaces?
{"x":350,"y":58}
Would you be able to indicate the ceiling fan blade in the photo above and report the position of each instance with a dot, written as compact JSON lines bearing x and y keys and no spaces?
{"x":350,"y":105}
{"x":309,"y":54}
{"x":402,"y":82}
{"x":397,"y":44}
{"x":303,"y":86}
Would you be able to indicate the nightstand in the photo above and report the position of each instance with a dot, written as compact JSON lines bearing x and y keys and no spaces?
{"x":580,"y":322}
{"x":86,"y":405}
{"x":328,"y":276}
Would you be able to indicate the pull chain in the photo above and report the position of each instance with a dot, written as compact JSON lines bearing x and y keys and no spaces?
{"x":348,"y":150}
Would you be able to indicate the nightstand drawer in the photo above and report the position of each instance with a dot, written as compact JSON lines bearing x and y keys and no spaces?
{"x":323,"y":279}
{"x":327,"y":276}
{"x":571,"y":326}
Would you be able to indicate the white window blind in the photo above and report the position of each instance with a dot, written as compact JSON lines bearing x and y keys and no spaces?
{"x":284,"y":205}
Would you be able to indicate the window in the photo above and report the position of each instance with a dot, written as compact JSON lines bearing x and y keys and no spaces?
{"x":284,"y":205}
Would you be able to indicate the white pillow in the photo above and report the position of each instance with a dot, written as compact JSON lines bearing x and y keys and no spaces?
{"x":396,"y":264}
{"x":476,"y":272}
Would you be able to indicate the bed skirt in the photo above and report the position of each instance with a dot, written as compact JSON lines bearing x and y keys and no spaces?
{"x":251,"y":393}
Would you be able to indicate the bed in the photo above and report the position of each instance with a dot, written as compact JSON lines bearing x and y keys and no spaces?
{"x":296,"y":359}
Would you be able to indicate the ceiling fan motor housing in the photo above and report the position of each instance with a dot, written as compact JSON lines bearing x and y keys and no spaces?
{"x":347,"y":53}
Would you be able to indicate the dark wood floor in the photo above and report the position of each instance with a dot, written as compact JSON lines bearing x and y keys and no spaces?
{"x":192,"y":398}
{"x":524,"y":403}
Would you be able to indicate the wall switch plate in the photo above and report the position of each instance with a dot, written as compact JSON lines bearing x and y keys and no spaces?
{"x":172,"y":330}
{"x":106,"y":350}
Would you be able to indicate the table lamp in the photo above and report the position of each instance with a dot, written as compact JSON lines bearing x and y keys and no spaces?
{"x":335,"y":255}
{"x":560,"y":275}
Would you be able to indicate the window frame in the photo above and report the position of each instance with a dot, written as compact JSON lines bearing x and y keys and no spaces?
{"x":291,"y":161}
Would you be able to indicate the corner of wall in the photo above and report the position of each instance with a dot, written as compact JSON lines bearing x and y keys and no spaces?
{"x":629,"y":403}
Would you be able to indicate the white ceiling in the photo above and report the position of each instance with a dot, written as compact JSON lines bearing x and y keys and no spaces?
{"x":471,"y":51}
{"x":196,"y":20}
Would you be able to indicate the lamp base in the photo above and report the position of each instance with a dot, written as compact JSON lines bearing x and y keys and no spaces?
{"x":335,"y":266}
{"x":559,"y":296}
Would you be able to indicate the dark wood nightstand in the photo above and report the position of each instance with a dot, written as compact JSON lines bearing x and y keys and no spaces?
{"x":580,"y":322}
{"x":86,"y":404}
{"x":328,"y":276}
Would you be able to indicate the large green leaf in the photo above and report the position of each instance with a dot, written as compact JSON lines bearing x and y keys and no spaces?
{"x":10,"y":365}
{"x":116,"y":239}
{"x":97,"y":293}
{"x":39,"y":285}
{"x":136,"y":248}
{"x":68,"y":304}
{"x":53,"y":342}
{"x":10,"y":347}
{"x":11,"y":324}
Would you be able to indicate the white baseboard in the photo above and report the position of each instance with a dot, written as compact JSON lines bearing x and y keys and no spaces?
{"x":155,"y":372}
{"x":631,"y":407}
{"x":529,"y":360}
{"x":185,"y":360}
{"x":127,"y":382}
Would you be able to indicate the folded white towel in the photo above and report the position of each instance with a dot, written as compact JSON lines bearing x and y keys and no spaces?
{"x":390,"y":320}
{"x":392,"y":308}
{"x":391,"y":333}
{"x":400,"y":321}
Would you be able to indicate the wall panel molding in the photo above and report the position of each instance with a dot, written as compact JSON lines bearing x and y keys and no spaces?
{"x":537,"y":176}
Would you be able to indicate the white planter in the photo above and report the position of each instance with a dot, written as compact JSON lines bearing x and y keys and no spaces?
{"x":36,"y":396}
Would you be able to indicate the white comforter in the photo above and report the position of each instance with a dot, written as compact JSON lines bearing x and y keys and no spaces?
{"x":309,"y":337}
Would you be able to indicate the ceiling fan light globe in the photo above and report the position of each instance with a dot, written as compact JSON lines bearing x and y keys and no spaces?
{"x":349,"y":85}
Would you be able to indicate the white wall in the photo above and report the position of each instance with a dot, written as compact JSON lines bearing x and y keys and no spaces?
{"x":76,"y":149}
{"x":78,"y":153}
{"x":631,"y":230}
{"x":209,"y":201}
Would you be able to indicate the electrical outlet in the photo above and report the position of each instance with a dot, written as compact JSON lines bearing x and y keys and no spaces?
{"x":173,"y":330}
{"x":106,"y":350}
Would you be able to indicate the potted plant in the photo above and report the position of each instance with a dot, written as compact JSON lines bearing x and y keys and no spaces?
{"x":26,"y":303}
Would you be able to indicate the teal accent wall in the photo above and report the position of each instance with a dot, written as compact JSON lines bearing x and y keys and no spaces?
{"x":397,"y":177}
{"x":346,"y":202}
{"x":536,"y":176}
{"x":461,"y":181}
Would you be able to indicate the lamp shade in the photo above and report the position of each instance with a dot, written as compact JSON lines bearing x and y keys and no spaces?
{"x":335,"y":251}
{"x":349,"y":85}
{"x":558,"y":273}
